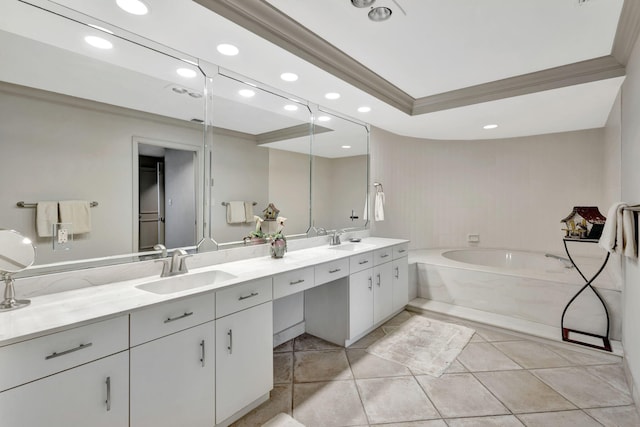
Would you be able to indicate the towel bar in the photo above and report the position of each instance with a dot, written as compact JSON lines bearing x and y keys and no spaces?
{"x":22,"y":204}
{"x":227,"y":203}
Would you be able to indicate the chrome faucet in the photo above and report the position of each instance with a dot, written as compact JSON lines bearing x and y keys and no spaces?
{"x":566,"y":261}
{"x":162,"y":248}
{"x":177,"y":264}
{"x":335,"y":237}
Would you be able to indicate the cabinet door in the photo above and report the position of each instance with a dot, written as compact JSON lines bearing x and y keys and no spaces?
{"x":360,"y":302}
{"x":400,"y":270}
{"x":95,"y":394}
{"x":172,"y":380}
{"x":382,"y":292}
{"x":244,"y":359}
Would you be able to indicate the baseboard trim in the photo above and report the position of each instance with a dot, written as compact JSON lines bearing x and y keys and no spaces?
{"x":289,"y":333}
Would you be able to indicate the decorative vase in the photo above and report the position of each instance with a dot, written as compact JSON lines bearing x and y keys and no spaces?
{"x":278,"y":248}
{"x":254,"y":240}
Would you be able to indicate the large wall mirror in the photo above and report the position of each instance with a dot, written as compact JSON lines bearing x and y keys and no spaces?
{"x":261,"y":145}
{"x":88,"y":115}
{"x":340,"y":172}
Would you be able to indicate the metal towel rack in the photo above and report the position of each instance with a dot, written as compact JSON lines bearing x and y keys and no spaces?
{"x":22,"y":204}
{"x":227,"y":203}
{"x":378,"y":186}
{"x":634,"y":208}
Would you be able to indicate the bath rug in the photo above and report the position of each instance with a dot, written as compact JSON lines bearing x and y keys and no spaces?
{"x":424,"y":345}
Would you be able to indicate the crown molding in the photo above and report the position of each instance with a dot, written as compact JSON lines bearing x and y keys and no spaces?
{"x":266,"y":21}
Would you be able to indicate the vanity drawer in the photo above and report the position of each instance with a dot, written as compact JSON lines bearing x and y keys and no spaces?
{"x":383,"y":255}
{"x":170,"y":317}
{"x":331,"y":271}
{"x":39,"y":357}
{"x":360,"y":262}
{"x":243,"y":295}
{"x":400,"y":250}
{"x":293,"y":281}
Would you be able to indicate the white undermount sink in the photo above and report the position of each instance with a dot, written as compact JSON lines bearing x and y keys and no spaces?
{"x":352,"y":247}
{"x":169,"y":285}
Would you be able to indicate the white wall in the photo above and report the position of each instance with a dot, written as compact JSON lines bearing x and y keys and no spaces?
{"x":289,"y":187}
{"x":513,"y":192}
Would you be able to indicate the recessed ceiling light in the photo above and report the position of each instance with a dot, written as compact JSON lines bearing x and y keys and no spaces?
{"x":179,"y":90}
{"x":378,"y":14}
{"x":364,"y":109}
{"x":346,"y":146}
{"x":134,"y":7}
{"x":228,"y":49}
{"x":291,"y":107}
{"x":332,"y":95}
{"x":324,"y":118}
{"x":101,"y":29}
{"x":187,"y":73}
{"x":196,"y":95}
{"x":98,"y":42}
{"x":362,"y":3}
{"x":492,"y":126}
{"x":289,"y":77}
{"x":247,"y":93}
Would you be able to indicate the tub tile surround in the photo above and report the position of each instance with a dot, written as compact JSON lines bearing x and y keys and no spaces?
{"x":564,"y":392}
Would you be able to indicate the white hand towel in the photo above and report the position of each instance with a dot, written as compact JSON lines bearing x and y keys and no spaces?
{"x":610,"y":230}
{"x":236,"y":212}
{"x":629,"y":234}
{"x":379,"y":206}
{"x":46,"y":216}
{"x":248,"y":211}
{"x":618,"y":234}
{"x":78,"y":213}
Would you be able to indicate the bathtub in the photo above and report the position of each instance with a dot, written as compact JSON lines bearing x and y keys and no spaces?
{"x":518,"y":290}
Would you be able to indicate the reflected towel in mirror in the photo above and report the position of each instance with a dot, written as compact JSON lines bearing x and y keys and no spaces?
{"x":78,"y":213}
{"x":46,"y":216}
{"x":236,"y":212}
{"x":378,"y":206}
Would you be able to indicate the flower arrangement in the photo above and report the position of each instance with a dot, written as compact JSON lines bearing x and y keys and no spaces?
{"x":257,"y":236}
{"x":278,"y":240}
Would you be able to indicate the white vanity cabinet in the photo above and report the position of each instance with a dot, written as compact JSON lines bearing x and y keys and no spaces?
{"x":244,"y":348}
{"x":73,"y":378}
{"x":382,"y":292}
{"x":400,"y":271}
{"x":172,"y":363}
{"x":360,"y":302}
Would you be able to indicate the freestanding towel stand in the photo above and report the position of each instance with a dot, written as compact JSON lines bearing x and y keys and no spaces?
{"x":606,"y":344}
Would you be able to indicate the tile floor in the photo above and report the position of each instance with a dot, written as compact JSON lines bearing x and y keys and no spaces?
{"x":499,"y":379}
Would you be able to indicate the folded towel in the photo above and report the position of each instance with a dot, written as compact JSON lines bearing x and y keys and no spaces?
{"x":248,"y":211}
{"x":236,"y":212}
{"x":46,"y":216}
{"x":78,"y":213}
{"x":379,"y":206}
{"x":618,"y":234}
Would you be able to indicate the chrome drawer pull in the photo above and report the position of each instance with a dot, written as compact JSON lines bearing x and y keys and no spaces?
{"x":253,"y":294}
{"x":397,"y":272}
{"x":384,"y":255}
{"x":378,"y":276}
{"x":171,"y":319}
{"x":401,"y":251}
{"x":202,"y":351}
{"x":230,"y":346}
{"x":363,"y":262}
{"x":62,"y":353}
{"x":108,"y":402}
{"x":370,"y":283}
{"x":296,"y":282}
{"x":334,"y":271}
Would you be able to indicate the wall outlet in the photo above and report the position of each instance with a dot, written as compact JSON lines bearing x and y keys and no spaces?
{"x":473,"y":238}
{"x":63,"y":236}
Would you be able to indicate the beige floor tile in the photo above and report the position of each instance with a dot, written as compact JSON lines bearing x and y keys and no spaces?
{"x":280,"y":401}
{"x":394,"y":400}
{"x":398,"y":319}
{"x":334,"y":403}
{"x":455,"y":368}
{"x":620,"y":416}
{"x":284,"y":347}
{"x":306,"y":342}
{"x":365,"y":365}
{"x":311,"y":366}
{"x":430,"y":423}
{"x":563,"y":418}
{"x":282,"y":420}
{"x":585,"y":357}
{"x":529,"y":354}
{"x":282,"y":368}
{"x":522,"y":392}
{"x":498,"y":421}
{"x":477,"y":338}
{"x":478,"y":357}
{"x":445,"y":393}
{"x":368,"y":339}
{"x":611,"y":374}
{"x":582,"y":388}
{"x":493,"y":335}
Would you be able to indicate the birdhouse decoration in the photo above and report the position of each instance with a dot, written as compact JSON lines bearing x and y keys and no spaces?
{"x":584,"y":222}
{"x":270,"y":212}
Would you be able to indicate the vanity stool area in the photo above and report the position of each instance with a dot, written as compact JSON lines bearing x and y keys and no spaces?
{"x":126,"y":354}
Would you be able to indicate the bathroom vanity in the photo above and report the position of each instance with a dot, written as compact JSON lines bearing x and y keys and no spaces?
{"x":193,"y":349}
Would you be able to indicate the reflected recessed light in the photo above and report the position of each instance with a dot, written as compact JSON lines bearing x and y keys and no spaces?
{"x":291,"y":107}
{"x":324,"y":118}
{"x":187,"y":73}
{"x":380,"y":13}
{"x":134,"y":7}
{"x":179,"y":90}
{"x":101,"y":29}
{"x":489,"y":126}
{"x":196,"y":95}
{"x":247,"y":93}
{"x":364,"y":109}
{"x":362,"y":3}
{"x":332,"y":95}
{"x":98,"y":42}
{"x":346,"y":146}
{"x":228,"y":49}
{"x":289,"y":77}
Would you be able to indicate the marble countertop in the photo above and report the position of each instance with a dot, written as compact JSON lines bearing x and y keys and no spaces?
{"x":54,"y":312}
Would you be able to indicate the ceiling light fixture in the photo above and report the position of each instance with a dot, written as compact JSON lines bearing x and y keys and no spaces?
{"x":101,"y":29}
{"x":492,"y":126}
{"x":228,"y":49}
{"x":332,"y":95}
{"x":247,"y":93}
{"x":98,"y":42}
{"x":364,"y":109}
{"x":289,"y":77}
{"x":134,"y":7}
{"x":324,"y":118}
{"x":362,"y":3}
{"x":346,"y":146}
{"x":291,"y":107}
{"x":379,"y":14}
{"x":187,"y":73}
